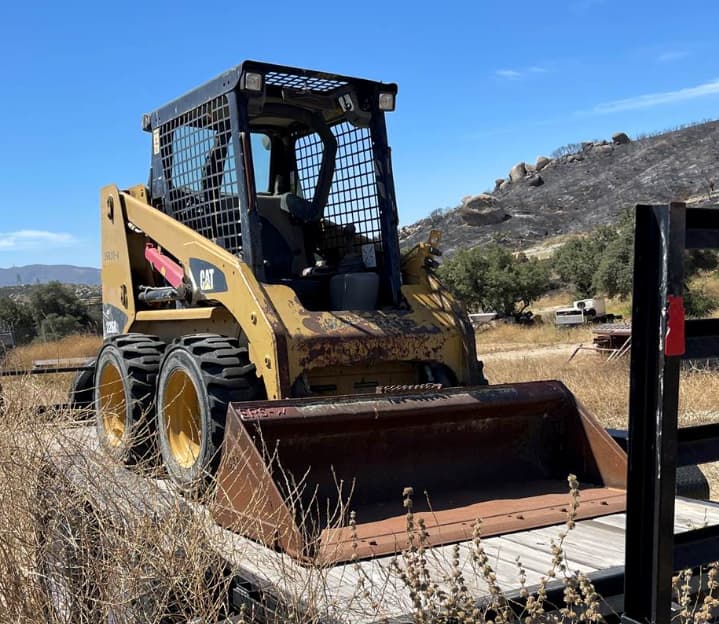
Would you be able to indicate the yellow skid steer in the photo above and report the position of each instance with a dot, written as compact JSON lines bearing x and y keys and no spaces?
{"x":264,"y":333}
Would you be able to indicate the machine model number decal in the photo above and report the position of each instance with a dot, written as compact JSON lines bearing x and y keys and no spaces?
{"x":111,"y":256}
{"x":111,"y":327}
{"x":113,"y":320}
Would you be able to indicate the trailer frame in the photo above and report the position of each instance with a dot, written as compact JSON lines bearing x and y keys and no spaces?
{"x":661,"y":338}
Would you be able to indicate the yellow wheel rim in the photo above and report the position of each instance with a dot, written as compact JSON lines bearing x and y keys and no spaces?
{"x":113,"y":406}
{"x":181,"y":409}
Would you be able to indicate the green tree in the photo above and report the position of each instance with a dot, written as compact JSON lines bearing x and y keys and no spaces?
{"x":57,"y":311}
{"x":54,"y":327}
{"x":577,"y":261}
{"x":54,"y":298}
{"x":614,"y":274}
{"x":17,"y":316}
{"x":492,"y":278}
{"x":701,"y":260}
{"x":464,"y":276}
{"x":697,"y":303}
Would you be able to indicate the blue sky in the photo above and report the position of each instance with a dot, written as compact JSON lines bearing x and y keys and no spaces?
{"x":482,"y":85}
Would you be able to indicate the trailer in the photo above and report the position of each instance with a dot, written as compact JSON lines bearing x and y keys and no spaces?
{"x":272,"y":586}
{"x":611,"y":336}
{"x":628,"y":556}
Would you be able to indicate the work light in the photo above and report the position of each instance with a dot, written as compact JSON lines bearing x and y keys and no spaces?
{"x":386,"y":101}
{"x":251,"y":81}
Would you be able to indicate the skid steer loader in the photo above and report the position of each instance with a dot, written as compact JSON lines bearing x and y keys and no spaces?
{"x":264,"y":333}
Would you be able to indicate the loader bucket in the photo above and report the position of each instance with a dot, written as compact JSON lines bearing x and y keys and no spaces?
{"x":293,"y":470}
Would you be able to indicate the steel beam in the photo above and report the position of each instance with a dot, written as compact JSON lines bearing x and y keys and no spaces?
{"x":653,"y":398}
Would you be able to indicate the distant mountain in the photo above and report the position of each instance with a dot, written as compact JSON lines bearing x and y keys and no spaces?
{"x":43,"y":273}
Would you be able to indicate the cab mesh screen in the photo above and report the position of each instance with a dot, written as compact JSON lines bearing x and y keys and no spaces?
{"x":198,"y":161}
{"x":353,"y":196}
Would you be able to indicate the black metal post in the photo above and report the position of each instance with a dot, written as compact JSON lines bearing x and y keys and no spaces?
{"x":653,"y":398}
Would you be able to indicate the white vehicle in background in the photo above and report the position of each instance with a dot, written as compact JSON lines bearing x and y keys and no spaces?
{"x":482,"y":318}
{"x":583,"y":311}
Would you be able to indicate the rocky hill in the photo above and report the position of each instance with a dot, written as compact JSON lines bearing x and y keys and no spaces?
{"x":579,"y":190}
{"x":43,"y":273}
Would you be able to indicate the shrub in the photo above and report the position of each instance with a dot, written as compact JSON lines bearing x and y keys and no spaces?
{"x":494,"y":279}
{"x":565,"y":150}
{"x":614,"y":274}
{"x":129,"y":549}
{"x":576,"y":262}
{"x":17,"y":316}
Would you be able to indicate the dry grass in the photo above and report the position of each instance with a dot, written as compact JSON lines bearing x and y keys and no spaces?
{"x":708,"y":282}
{"x":75,"y":346}
{"x":602,"y":386}
{"x":141,"y":554}
{"x":45,"y":389}
{"x":79,"y":532}
{"x":513,"y":337}
{"x":27,"y":393}
{"x":554,"y":299}
{"x":95,"y":562}
{"x":620,"y":307}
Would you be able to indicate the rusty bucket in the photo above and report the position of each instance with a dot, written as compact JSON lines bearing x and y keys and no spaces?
{"x":293,"y":470}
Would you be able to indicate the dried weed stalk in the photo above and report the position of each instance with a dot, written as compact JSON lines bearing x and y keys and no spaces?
{"x":85,"y":540}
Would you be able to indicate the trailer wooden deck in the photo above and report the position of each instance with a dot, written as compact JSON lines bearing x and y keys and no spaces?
{"x":364,"y":591}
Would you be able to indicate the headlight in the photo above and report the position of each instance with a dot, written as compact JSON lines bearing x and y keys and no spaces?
{"x":386,"y":101}
{"x":251,"y":81}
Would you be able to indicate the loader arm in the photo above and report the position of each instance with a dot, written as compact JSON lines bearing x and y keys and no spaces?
{"x":236,"y":288}
{"x":340,"y":352}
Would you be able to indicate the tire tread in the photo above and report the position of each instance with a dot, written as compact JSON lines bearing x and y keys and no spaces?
{"x":141,"y":355}
{"x":228,"y":376}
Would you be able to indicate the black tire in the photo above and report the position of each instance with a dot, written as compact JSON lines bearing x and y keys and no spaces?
{"x":199,"y":376}
{"x":82,"y":389}
{"x":124,"y":395}
{"x":691,"y":483}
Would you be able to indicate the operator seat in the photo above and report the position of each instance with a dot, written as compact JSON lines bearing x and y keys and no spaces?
{"x":284,"y":218}
{"x":287,"y":247}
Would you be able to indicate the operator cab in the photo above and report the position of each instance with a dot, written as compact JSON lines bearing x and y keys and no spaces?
{"x":290,"y":170}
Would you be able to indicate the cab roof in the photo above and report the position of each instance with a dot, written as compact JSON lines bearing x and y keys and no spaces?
{"x":276,"y":78}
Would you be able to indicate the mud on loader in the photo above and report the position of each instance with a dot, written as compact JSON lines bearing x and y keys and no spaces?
{"x":263,"y":332}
